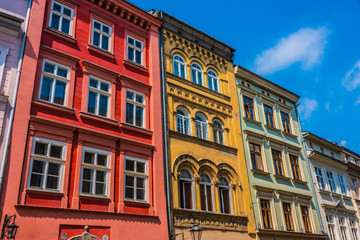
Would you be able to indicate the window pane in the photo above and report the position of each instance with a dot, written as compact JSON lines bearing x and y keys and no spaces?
{"x":131,"y":41}
{"x":138,"y":44}
{"x":86,"y":187}
{"x":140,"y":167}
{"x":140,"y":182}
{"x":50,"y":68}
{"x":139,"y":116}
{"x":216,"y":85}
{"x":96,"y":39}
{"x":140,"y":194}
{"x":182,"y":69}
{"x":97,"y":25}
{"x":176,"y":68}
{"x":36,"y":180}
{"x":129,"y":113}
{"x":53,"y":169}
{"x":103,"y":105}
{"x":100,"y":188}
{"x":101,"y":160}
{"x":60,"y":88}
{"x":130,"y":54}
{"x":55,"y":151}
{"x":130,"y":95}
{"x":130,"y":165}
{"x":62,"y":72}
{"x":129,"y":181}
{"x":89,"y":157}
{"x":55,"y":21}
{"x":210,"y":83}
{"x":106,"y":29}
{"x":93,"y":83}
{"x":129,"y":192}
{"x":105,"y":42}
{"x":57,"y":7}
{"x":52,"y":182}
{"x":67,"y":12}
{"x":37,"y":174}
{"x":200,"y":78}
{"x":41,"y":148}
{"x":139,"y":98}
{"x":138,"y":57}
{"x":87,"y":174}
{"x":65,"y":26}
{"x":38,"y":167}
{"x":46,"y":87}
{"x":100,"y":176}
{"x":104,"y":86}
{"x":92,"y":102}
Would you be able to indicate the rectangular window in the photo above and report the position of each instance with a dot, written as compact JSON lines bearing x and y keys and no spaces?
{"x":99,"y":97}
{"x":306,"y":218}
{"x":136,"y":175}
{"x":294,"y":160}
{"x":356,"y":189}
{"x":330,"y":222}
{"x":266,"y":213}
{"x":353,"y":229}
{"x":54,"y":83}
{"x":135,"y":50}
{"x":319,"y":178}
{"x":249,"y":108}
{"x":342,"y":184}
{"x":277,"y":162}
{"x":95,"y":171}
{"x":288,"y":216}
{"x":135,"y":107}
{"x":255,"y":153}
{"x":101,"y":35}
{"x":342,"y":228}
{"x":285,"y":122}
{"x":331,"y":181}
{"x":61,"y":18}
{"x":47,"y":162}
{"x":269,"y":117}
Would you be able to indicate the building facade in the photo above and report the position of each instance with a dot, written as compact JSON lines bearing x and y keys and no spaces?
{"x":87,"y":149}
{"x":207,"y":174}
{"x":329,"y":171}
{"x":280,"y":186}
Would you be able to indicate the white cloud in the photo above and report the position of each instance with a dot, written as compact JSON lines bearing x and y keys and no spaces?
{"x":357,"y":101}
{"x":305,"y":46}
{"x":307,"y":107}
{"x":327,"y":107}
{"x":352,"y":78}
{"x":343,"y":143}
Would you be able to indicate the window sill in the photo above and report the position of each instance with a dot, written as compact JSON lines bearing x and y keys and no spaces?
{"x":289,"y":134}
{"x":100,"y":51}
{"x":261,"y":172}
{"x":282,"y":177}
{"x":61,"y":35}
{"x":85,"y":196}
{"x":43,"y":191}
{"x":346,"y":197}
{"x":135,"y":65}
{"x":53,"y":106}
{"x":325,"y":191}
{"x":299,"y":181}
{"x":98,"y":118}
{"x":136,"y":129}
{"x":273,"y":128}
{"x":336,"y":195}
{"x":252,"y":121}
{"x":136,"y":203}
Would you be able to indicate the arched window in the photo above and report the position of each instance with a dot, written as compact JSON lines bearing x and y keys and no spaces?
{"x":224,"y":195}
{"x":185,"y":189}
{"x":179,"y":66}
{"x":201,"y":126}
{"x":213,"y":81}
{"x":206,"y":197}
{"x":183,"y":121}
{"x":218,"y":132}
{"x":196,"y":74}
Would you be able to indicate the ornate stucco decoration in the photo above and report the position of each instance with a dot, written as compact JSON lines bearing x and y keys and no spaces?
{"x":85,"y":236}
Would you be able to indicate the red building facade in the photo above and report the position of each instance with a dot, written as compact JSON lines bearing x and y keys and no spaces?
{"x":87,"y":145}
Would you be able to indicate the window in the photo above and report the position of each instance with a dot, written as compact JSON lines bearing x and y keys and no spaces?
{"x":95,"y":170}
{"x":332,"y":154}
{"x":135,"y":49}
{"x":206,"y":193}
{"x":255,"y":154}
{"x":311,"y":145}
{"x":99,"y":97}
{"x":285,"y":122}
{"x":294,"y":160}
{"x":135,"y":106}
{"x":288,"y":216}
{"x":331,"y":226}
{"x":197,"y":74}
{"x":356,"y":189}
{"x":54,"y":83}
{"x":269,"y":117}
{"x":101,"y":35}
{"x":179,"y":66}
{"x":185,"y":189}
{"x":61,"y":18}
{"x":319,"y":178}
{"x":266,"y":213}
{"x":342,"y":184}
{"x":136,"y":175}
{"x":306,"y":218}
{"x":322,"y":150}
{"x":213,"y":81}
{"x":218,"y":132}
{"x":277,"y":162}
{"x":224,"y":196}
{"x":47,"y":162}
{"x":201,"y":126}
{"x":249,"y":108}
{"x":342,"y":228}
{"x":331,"y":181}
{"x":353,"y":229}
{"x":183,"y":121}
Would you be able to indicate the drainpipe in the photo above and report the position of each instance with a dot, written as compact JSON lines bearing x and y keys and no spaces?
{"x":309,"y":169}
{"x":164,"y":121}
{"x":12,"y":107}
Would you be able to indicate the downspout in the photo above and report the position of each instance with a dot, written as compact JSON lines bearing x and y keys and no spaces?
{"x":164,"y":121}
{"x":309,"y":169}
{"x":12,"y":107}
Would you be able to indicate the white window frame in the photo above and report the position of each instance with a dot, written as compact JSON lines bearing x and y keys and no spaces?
{"x":197,"y":71}
{"x":192,"y":190}
{"x":329,"y":180}
{"x":322,"y":177}
{"x":331,"y":226}
{"x":47,"y":159}
{"x":4,"y":51}
{"x":353,"y":229}
{"x":272,"y":212}
{"x":219,"y":132}
{"x":135,"y":48}
{"x":212,"y":79}
{"x":99,"y":92}
{"x":135,"y":103}
{"x":101,"y":32}
{"x":136,"y":175}
{"x":55,"y":78}
{"x":61,"y":15}
{"x":207,"y":184}
{"x":230,"y":195}
{"x":183,"y":119}
{"x":356,"y":188}
{"x":341,"y":184}
{"x":202,"y":127}
{"x":180,"y":65}
{"x":94,"y":167}
{"x":343,"y":228}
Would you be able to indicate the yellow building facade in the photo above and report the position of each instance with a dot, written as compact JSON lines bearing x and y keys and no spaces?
{"x":208,"y":181}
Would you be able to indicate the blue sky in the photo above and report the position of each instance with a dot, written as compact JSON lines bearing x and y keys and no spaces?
{"x":310,"y":47}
